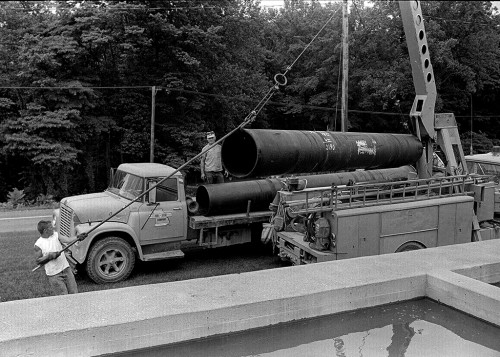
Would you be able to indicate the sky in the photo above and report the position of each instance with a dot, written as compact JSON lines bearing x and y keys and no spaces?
{"x":277,"y":3}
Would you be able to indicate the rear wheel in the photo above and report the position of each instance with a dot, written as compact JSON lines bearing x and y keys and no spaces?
{"x":409,"y":246}
{"x":110,"y":260}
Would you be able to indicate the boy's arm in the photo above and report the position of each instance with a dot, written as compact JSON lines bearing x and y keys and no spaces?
{"x":42,"y":259}
{"x":65,"y":241}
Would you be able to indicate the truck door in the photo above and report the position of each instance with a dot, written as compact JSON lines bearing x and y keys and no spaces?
{"x":162,"y":216}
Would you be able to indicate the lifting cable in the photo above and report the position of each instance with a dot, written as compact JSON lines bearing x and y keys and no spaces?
{"x":309,"y":44}
{"x":279,"y":80}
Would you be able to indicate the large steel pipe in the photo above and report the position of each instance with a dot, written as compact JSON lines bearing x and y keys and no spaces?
{"x":233,"y":197}
{"x":262,"y":152}
{"x":343,"y":178}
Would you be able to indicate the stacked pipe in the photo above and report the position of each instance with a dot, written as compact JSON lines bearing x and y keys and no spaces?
{"x":233,"y":197}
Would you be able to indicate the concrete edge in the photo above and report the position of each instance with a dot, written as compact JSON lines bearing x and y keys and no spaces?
{"x":466,"y":294}
{"x":487,"y":273}
{"x":142,"y":317}
{"x":171,"y":329}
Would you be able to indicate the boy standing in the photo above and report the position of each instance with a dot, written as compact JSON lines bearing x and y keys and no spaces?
{"x":47,"y":251}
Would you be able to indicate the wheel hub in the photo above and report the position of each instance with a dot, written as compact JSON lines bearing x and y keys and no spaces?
{"x":111,"y":262}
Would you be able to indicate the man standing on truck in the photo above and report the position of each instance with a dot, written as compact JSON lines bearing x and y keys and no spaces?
{"x":211,"y":163}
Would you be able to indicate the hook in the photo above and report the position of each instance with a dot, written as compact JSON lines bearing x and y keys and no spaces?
{"x":278,"y":77}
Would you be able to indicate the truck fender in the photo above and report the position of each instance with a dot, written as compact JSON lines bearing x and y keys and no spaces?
{"x":80,"y":250}
{"x":410,"y":245}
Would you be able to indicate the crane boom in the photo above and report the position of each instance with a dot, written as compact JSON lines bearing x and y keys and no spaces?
{"x":422,"y":111}
{"x":430,"y":128}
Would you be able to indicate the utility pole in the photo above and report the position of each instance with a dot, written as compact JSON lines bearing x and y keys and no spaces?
{"x":471,"y":119}
{"x":345,"y":66}
{"x":153,"y":112}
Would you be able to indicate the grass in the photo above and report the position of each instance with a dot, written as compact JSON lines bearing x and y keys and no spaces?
{"x":29,"y":207}
{"x":17,"y":281}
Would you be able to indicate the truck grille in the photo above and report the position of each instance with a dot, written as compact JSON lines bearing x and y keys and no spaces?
{"x":66,"y":221}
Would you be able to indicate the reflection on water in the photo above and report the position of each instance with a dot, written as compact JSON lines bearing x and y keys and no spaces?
{"x":413,"y":328}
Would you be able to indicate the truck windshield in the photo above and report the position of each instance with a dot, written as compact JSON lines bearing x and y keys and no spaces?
{"x":126,"y":185}
{"x":484,"y":168}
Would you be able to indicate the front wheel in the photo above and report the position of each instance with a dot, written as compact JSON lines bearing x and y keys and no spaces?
{"x":110,"y":260}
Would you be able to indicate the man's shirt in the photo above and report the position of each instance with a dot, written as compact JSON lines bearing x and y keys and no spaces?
{"x":213,"y":160}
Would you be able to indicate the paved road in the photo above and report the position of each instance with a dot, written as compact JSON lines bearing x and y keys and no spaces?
{"x":22,"y":221}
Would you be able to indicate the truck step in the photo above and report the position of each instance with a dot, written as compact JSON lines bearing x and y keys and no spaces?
{"x":171,"y":254}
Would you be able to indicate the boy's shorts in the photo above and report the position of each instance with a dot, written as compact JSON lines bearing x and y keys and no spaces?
{"x":63,"y":283}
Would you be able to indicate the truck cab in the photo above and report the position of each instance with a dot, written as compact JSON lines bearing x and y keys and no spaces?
{"x":151,"y":228}
{"x":487,"y":164}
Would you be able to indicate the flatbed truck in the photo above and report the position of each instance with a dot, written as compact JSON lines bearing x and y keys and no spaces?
{"x":152,"y":228}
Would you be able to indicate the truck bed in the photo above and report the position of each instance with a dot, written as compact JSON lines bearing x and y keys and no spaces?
{"x":198,"y":222}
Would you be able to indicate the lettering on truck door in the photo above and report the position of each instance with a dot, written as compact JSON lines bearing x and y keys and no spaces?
{"x":163,"y":218}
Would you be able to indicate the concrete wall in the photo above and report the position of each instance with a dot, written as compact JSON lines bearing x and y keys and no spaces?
{"x":143,"y":316}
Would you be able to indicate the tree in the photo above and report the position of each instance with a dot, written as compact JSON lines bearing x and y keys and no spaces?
{"x":79,"y":78}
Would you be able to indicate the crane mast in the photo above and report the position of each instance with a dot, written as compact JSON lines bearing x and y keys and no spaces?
{"x":430,"y":128}
{"x":422,"y":111}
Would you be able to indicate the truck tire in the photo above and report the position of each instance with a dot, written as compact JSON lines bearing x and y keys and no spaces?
{"x":110,"y":260}
{"x":409,"y":246}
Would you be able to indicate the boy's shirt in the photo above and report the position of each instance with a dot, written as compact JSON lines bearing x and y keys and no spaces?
{"x":48,"y":245}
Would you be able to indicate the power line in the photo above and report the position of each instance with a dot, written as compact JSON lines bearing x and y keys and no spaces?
{"x":460,"y":21}
{"x":205,"y":7}
{"x":76,"y":87}
{"x":52,"y":8}
{"x":180,"y":90}
{"x":274,"y":3}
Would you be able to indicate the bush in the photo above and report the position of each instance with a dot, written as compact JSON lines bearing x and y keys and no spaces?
{"x":6,"y":205}
{"x":16,"y":197}
{"x":43,"y":200}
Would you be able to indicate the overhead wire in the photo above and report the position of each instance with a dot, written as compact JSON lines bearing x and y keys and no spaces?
{"x":247,"y":100}
{"x":143,"y":7}
{"x":459,"y":21}
{"x":76,"y":87}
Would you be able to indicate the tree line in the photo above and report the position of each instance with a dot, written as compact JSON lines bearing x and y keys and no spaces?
{"x":76,"y":78}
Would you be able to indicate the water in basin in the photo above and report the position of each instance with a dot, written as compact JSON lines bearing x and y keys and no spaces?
{"x":412,"y":328}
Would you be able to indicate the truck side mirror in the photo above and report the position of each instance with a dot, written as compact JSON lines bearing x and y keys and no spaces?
{"x":152,"y":193}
